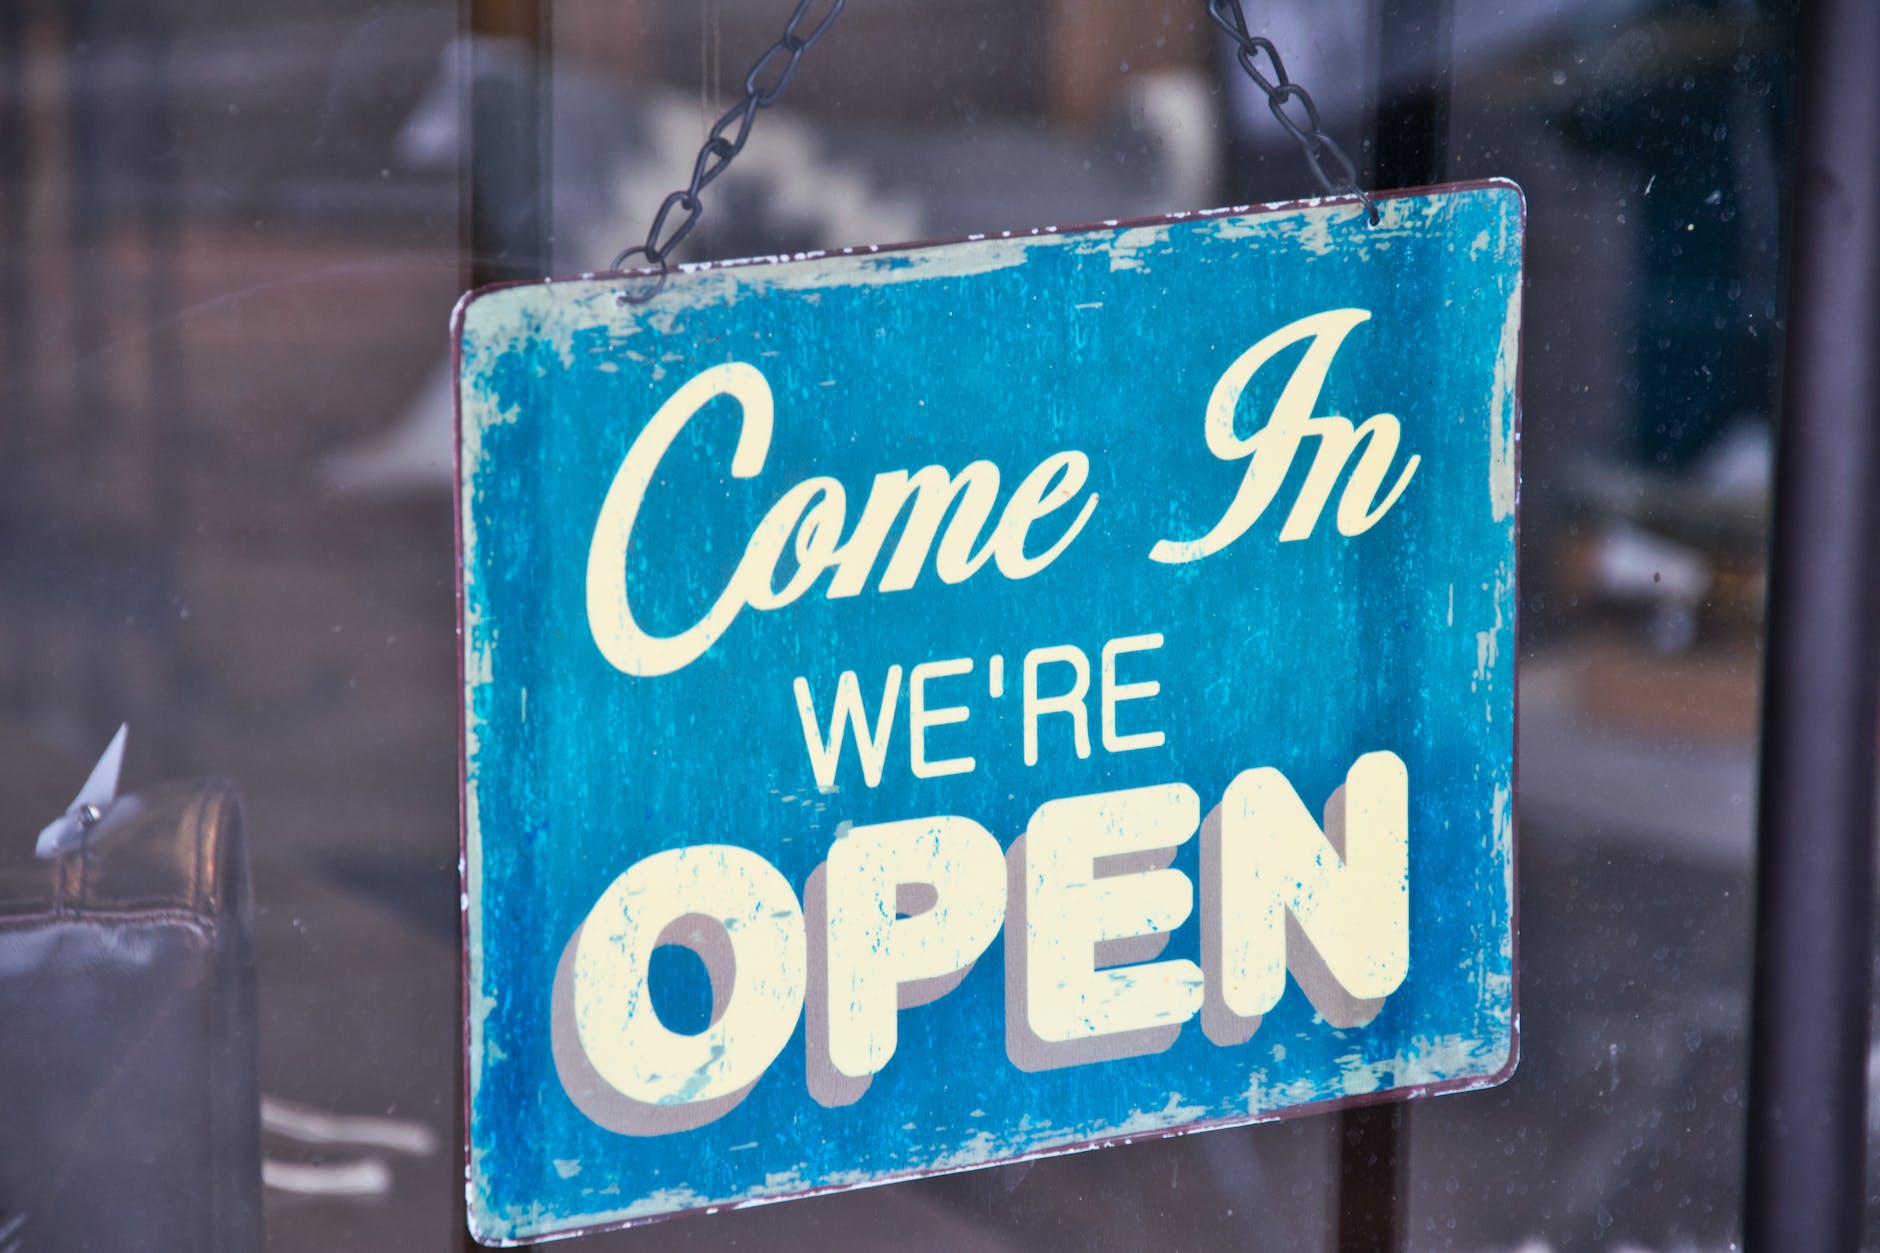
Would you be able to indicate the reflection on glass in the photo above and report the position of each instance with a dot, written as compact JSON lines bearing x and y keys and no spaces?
{"x":230,"y":238}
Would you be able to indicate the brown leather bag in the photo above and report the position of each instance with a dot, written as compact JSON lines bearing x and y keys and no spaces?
{"x":129,"y":1112}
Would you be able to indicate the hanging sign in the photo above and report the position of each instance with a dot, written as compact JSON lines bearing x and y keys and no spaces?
{"x":930,"y":707}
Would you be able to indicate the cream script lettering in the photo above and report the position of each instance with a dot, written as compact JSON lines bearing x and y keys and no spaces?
{"x":1269,"y":451}
{"x":953,"y":523}
{"x":808,"y":520}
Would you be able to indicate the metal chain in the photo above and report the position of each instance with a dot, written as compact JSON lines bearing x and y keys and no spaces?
{"x":1280,"y":91}
{"x":771,"y":74}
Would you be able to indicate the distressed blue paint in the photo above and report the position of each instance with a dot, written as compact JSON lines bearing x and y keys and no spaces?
{"x":1300,"y":656}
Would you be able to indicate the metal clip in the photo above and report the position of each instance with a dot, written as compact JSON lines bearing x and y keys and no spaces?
{"x":95,"y":802}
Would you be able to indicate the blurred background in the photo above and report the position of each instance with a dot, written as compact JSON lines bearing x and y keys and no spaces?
{"x":230,"y":239}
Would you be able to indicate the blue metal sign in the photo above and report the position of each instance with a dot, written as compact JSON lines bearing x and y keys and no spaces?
{"x":930,"y":707}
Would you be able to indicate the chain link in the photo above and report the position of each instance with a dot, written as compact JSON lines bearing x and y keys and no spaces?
{"x":769,"y":76}
{"x":1280,"y":91}
{"x":771,"y":73}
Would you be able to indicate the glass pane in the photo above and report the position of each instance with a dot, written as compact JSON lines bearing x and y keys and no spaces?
{"x":231,"y":236}
{"x":1650,"y":143}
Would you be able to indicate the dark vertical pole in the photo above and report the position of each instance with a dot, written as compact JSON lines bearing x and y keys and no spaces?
{"x":95,"y":422}
{"x":506,"y":168}
{"x":1815,"y":840}
{"x":1372,"y":1170}
{"x":85,"y":151}
{"x":1411,"y":150}
{"x":1413,"y":40}
{"x":167,"y":436}
{"x":17,"y":403}
{"x":505,"y":173}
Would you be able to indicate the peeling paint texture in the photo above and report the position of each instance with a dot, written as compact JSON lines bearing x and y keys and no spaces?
{"x":1299,"y":655}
